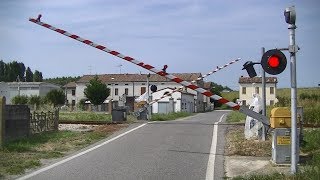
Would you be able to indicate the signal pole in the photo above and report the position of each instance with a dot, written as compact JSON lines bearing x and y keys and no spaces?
{"x":263,"y":77}
{"x":290,"y":17}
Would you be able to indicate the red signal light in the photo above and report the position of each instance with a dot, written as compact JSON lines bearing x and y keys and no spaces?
{"x":273,"y":61}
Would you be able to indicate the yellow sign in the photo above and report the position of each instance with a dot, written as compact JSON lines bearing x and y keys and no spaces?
{"x":283,"y":140}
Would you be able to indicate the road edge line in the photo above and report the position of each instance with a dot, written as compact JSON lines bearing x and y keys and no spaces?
{"x":77,"y":155}
{"x":213,"y":150}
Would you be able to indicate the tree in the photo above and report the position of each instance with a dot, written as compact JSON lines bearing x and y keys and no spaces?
{"x":20,"y":99}
{"x":96,"y":91}
{"x":34,"y":100}
{"x":37,"y":76}
{"x":56,"y":97}
{"x":29,"y":75}
{"x":2,"y":71}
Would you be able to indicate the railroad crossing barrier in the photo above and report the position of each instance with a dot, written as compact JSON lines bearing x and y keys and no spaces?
{"x":151,"y":68}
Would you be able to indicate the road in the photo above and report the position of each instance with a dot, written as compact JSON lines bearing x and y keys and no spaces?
{"x":159,"y":150}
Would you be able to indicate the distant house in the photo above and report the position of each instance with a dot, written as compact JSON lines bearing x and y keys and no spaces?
{"x":249,"y":86}
{"x":29,"y":88}
{"x":181,"y":101}
{"x":70,"y":92}
{"x":208,"y":106}
{"x":134,"y":85}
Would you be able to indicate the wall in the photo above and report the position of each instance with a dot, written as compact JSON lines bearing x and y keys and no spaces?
{"x":250,"y":90}
{"x":17,"y":121}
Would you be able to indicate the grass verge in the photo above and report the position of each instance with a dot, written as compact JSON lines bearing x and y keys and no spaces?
{"x":26,"y":153}
{"x":170,"y":116}
{"x":84,"y":116}
{"x":236,"y":116}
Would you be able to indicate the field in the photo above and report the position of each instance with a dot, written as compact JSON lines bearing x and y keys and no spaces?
{"x":308,"y":98}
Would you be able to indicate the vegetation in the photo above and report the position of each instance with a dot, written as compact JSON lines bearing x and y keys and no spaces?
{"x":16,"y":71}
{"x":62,"y":80}
{"x":56,"y":97}
{"x":84,"y":116}
{"x":218,"y":90}
{"x":96,"y":91}
{"x":20,"y":99}
{"x":170,"y":116}
{"x":236,"y":116}
{"x":34,"y":100}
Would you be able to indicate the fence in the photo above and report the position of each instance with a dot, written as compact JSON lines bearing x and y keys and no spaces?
{"x":44,"y":121}
{"x":16,"y":121}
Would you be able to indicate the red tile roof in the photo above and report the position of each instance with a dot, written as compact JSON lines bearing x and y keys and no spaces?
{"x":107,"y":78}
{"x":248,"y":80}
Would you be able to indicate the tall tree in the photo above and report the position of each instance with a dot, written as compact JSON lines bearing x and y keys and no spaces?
{"x":37,"y":76}
{"x":2,"y":71}
{"x":96,"y":91}
{"x":22,"y":70}
{"x":29,"y":75}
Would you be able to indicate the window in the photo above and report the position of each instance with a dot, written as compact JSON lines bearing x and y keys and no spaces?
{"x":244,"y":90}
{"x":143,"y":84}
{"x":116,"y":91}
{"x":143,"y":90}
{"x":73,"y":92}
{"x":257,"y":90}
{"x":126,"y":84}
{"x":116,"y":84}
{"x":73,"y":102}
{"x":244,"y":102}
{"x":126,"y":91}
{"x":271,"y":102}
{"x":271,"y":90}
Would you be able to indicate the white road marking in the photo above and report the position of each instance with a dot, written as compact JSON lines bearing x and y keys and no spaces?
{"x":213,"y":151}
{"x":77,"y":155}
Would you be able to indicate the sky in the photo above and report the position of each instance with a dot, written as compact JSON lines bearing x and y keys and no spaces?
{"x":187,"y":35}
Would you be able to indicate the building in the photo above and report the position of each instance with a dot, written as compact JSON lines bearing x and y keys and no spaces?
{"x":132,"y":86}
{"x":249,"y":86}
{"x":180,"y":101}
{"x":70,"y":92}
{"x":4,"y":90}
{"x":29,"y":89}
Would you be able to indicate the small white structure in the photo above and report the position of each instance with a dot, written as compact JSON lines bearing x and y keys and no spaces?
{"x":177,"y":102}
{"x":29,"y":89}
{"x":253,"y":126}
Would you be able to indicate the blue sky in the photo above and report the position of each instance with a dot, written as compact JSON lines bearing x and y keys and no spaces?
{"x":187,"y":35}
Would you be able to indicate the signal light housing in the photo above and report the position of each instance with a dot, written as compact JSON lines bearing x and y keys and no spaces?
{"x":274,"y":62}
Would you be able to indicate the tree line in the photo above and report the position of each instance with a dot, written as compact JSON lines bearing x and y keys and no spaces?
{"x":17,"y":71}
{"x":62,"y":80}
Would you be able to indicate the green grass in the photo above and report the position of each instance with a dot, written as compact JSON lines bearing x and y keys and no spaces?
{"x":236,"y":116}
{"x":19,"y":155}
{"x":170,"y":116}
{"x":84,"y":116}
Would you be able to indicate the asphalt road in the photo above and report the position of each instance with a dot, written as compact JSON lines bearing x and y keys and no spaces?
{"x":160,"y":150}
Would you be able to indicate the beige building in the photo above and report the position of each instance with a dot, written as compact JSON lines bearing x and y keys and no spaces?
{"x":249,"y":86}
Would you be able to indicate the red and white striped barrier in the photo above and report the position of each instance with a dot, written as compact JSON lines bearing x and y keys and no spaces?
{"x":153,"y":69}
{"x":141,"y":64}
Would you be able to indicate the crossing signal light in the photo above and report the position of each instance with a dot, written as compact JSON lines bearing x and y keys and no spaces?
{"x":274,"y":62}
{"x":250,"y":69}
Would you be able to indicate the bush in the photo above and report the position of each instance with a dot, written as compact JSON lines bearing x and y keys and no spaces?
{"x":34,"y":100}
{"x":56,"y":97}
{"x":170,"y":116}
{"x":20,"y":99}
